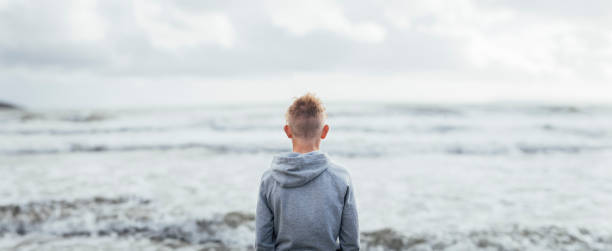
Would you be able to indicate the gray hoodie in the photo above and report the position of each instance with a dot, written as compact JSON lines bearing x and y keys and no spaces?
{"x":306,"y":202}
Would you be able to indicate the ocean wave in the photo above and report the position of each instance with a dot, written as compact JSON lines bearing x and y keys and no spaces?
{"x":212,"y":148}
{"x":86,"y":131}
{"x":589,"y":133}
{"x":567,"y":149}
{"x":77,"y":117}
{"x":467,"y":150}
{"x":560,"y":109}
{"x":364,"y":151}
{"x":137,"y":218}
{"x":219,"y":127}
{"x":424,"y":110}
{"x":525,"y":149}
{"x":80,"y":148}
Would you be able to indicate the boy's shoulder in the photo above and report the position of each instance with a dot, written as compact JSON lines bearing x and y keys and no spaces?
{"x":339,"y":173}
{"x":266,"y":175}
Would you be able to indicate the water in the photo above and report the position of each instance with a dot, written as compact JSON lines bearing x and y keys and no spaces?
{"x":427,"y":177}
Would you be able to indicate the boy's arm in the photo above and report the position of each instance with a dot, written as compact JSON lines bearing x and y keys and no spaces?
{"x":264,"y":223}
{"x":349,"y":228}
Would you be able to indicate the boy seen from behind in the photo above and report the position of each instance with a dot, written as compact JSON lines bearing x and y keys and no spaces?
{"x":306,"y":202}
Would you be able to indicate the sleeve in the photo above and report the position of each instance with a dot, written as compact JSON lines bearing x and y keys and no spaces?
{"x":349,"y":228}
{"x":264,"y":223}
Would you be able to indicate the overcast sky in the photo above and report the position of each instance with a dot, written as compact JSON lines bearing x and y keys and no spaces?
{"x":134,"y":53}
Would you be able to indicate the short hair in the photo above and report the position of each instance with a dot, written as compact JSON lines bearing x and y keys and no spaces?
{"x":306,"y":116}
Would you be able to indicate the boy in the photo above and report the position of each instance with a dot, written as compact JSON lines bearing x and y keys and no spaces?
{"x":306,"y":202}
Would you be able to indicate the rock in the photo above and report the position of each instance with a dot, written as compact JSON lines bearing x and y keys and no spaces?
{"x":234,"y":219}
{"x":386,"y":238}
{"x":213,"y":246}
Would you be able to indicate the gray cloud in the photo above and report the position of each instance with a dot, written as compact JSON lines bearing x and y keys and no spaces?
{"x":42,"y":42}
{"x":591,"y":9}
{"x":476,"y":40}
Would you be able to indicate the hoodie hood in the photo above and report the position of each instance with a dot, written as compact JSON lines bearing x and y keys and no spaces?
{"x":296,"y":169}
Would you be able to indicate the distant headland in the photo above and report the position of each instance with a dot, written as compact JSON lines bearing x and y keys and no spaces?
{"x":8,"y":106}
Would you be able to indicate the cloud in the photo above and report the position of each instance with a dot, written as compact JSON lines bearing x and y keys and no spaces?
{"x":169,"y":27}
{"x":303,"y":17}
{"x":484,"y":43}
{"x":84,"y":22}
{"x":498,"y":37}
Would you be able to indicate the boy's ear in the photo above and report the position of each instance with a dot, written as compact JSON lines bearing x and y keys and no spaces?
{"x":324,"y":132}
{"x":288,"y":131}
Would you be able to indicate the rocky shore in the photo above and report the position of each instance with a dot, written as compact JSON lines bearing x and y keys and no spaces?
{"x":131,"y":217}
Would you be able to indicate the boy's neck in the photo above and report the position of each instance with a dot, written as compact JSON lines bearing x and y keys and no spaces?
{"x":305,"y":147}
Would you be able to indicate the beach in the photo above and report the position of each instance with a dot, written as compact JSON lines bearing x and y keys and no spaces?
{"x":498,"y":176}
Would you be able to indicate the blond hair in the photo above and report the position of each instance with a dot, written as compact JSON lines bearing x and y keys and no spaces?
{"x":306,"y":116}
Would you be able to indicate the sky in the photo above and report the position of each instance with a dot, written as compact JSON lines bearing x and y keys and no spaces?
{"x":115,"y":53}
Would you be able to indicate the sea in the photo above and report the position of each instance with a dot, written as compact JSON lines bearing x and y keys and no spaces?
{"x":487,"y":176}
